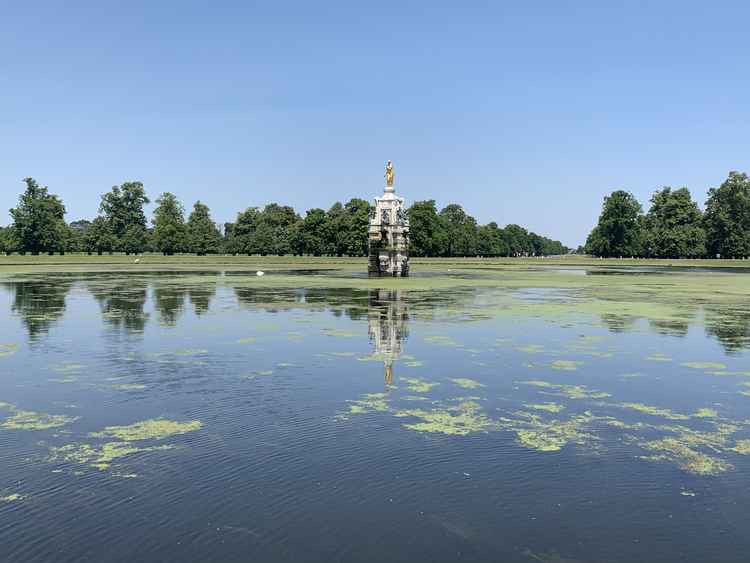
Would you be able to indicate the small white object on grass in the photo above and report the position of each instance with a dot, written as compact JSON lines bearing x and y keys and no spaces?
{"x":260,"y":273}
{"x":137,"y":261}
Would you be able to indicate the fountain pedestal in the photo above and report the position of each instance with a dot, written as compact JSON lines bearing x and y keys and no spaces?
{"x":388,"y":236}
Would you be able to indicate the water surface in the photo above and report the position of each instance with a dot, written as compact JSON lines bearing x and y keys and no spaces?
{"x":538,"y":415}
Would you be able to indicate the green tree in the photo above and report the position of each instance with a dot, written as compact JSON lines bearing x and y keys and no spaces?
{"x":98,"y":237}
{"x":313,"y":232}
{"x":517,"y":240}
{"x":619,"y":230}
{"x":673,"y":226}
{"x":169,"y":224}
{"x":426,"y":231}
{"x":727,"y":217}
{"x":335,"y":230}
{"x":460,"y":230}
{"x":491,"y":241}
{"x":77,"y":240}
{"x":273,"y":230}
{"x":243,"y":231}
{"x":122,"y":208}
{"x":7,"y":241}
{"x":39,"y":220}
{"x":203,"y":235}
{"x":357,"y":213}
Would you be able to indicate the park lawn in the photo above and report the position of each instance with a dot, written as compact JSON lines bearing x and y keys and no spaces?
{"x":121,"y":262}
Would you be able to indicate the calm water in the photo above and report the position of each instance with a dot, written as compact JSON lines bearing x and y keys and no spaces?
{"x":325,"y":424}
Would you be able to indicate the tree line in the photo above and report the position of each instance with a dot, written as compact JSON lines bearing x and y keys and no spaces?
{"x":39,"y":226}
{"x":674,"y":226}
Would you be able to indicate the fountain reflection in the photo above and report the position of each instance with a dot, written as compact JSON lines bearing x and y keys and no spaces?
{"x":387,"y":326}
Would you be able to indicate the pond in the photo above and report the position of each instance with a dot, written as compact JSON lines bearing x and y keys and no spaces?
{"x":499,"y":414}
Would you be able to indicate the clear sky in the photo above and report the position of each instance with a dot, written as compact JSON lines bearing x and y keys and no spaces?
{"x":526,"y":112}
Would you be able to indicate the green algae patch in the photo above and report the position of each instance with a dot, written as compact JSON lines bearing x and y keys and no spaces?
{"x":658,"y":357}
{"x":414,"y":364}
{"x":535,"y":433}
{"x":369,"y":402}
{"x":63,"y":380}
{"x":376,"y":357}
{"x":570,"y":391}
{"x":566,"y":365}
{"x":14,"y":497}
{"x":247,"y":340}
{"x":460,"y":420}
{"x":704,"y":365}
{"x":548,"y":407}
{"x":686,"y":458}
{"x":467,"y":383}
{"x":706,"y":413}
{"x":440,"y":340}
{"x":741,"y":447}
{"x":262,"y":372}
{"x":340,"y":333}
{"x":128,"y":387}
{"x":67,"y":368}
{"x":154,"y":429}
{"x":7,"y":350}
{"x":30,"y":420}
{"x":414,"y":398}
{"x":99,"y":457}
{"x":343,"y":354}
{"x":418,"y":385}
{"x":531,"y":349}
{"x":654,"y":411}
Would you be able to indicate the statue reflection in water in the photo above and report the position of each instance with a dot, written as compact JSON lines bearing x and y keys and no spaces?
{"x":387,"y":320}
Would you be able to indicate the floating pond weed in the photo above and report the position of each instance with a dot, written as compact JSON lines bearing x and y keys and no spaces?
{"x":704,"y":365}
{"x":566,"y":365}
{"x":99,"y":457}
{"x":418,"y":385}
{"x":153,"y":429}
{"x":31,"y":420}
{"x":654,"y":411}
{"x":466,"y":383}
{"x":549,"y":407}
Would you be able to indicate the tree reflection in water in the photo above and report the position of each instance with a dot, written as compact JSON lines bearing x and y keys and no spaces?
{"x":39,"y":303}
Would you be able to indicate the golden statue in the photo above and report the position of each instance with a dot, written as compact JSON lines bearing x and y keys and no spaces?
{"x":389,"y":174}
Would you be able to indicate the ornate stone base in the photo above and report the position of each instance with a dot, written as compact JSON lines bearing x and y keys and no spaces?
{"x":388,"y":236}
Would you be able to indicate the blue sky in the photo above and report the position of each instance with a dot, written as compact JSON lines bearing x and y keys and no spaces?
{"x":526,"y":112}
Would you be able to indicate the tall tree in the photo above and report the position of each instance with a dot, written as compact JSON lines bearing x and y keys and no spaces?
{"x":98,"y":237}
{"x":517,"y":240}
{"x":243,"y":231}
{"x":273,"y":230}
{"x":673,"y":226}
{"x":491,"y":241}
{"x":461,"y":231}
{"x":619,"y":230}
{"x":727,"y":217}
{"x":313,"y":232}
{"x":169,"y":224}
{"x":357,"y":212}
{"x":7,"y":240}
{"x":426,"y":231}
{"x":335,"y":230}
{"x":39,"y":220}
{"x":203,"y":236}
{"x":122,"y":208}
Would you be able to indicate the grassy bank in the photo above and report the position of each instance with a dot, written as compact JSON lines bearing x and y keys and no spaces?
{"x":118,"y":262}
